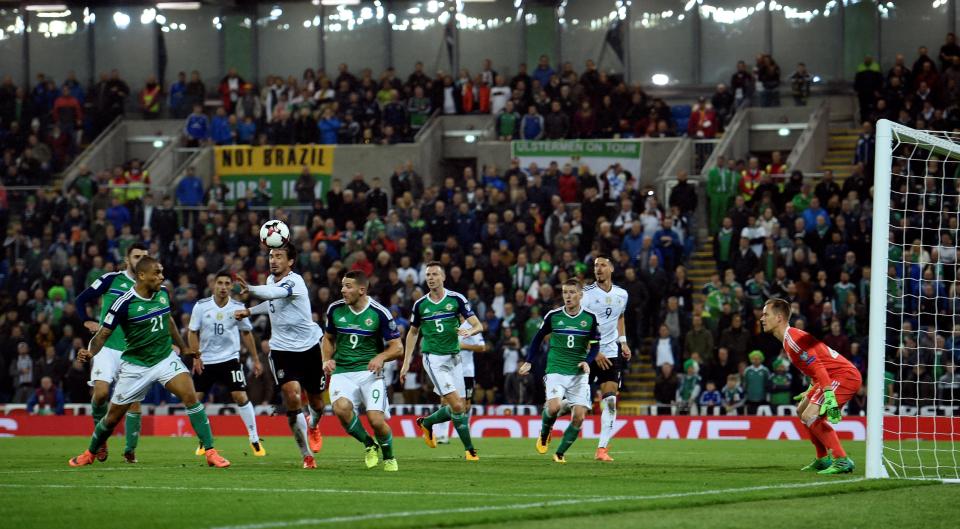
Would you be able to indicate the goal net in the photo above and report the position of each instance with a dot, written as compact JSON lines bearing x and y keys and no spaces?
{"x":913,"y":398}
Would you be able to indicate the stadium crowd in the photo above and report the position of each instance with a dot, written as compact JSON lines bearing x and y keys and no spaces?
{"x":507,"y":236}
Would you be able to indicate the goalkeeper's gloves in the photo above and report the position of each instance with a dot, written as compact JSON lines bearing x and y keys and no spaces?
{"x":800,"y":397}
{"x":830,"y":407}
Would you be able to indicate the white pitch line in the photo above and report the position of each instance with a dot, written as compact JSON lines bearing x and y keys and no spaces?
{"x":298,"y":490}
{"x":524,"y":506}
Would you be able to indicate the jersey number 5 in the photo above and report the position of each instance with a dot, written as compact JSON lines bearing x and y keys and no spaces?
{"x":439,"y":325}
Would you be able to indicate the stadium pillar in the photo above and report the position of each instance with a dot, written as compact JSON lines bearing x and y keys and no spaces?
{"x":321,"y":34}
{"x":25,"y":48}
{"x":697,"y":47}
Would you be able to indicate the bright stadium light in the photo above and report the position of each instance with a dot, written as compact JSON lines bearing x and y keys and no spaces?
{"x":784,"y":131}
{"x":121,"y":19}
{"x":40,"y":8}
{"x":179,"y":6}
{"x":660,"y":79}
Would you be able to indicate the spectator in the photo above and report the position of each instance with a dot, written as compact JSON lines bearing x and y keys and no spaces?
{"x":800,"y":85}
{"x":556,"y":124}
{"x":688,"y":392}
{"x":756,"y":381}
{"x":732,"y":395}
{"x":48,"y":397}
{"x":231,"y":87}
{"x":532,"y":125}
{"x":867,"y":83}
{"x":21,"y":371}
{"x":666,"y":348}
{"x":197,"y":128}
{"x":781,"y":384}
{"x":150,"y":98}
{"x":665,"y":386}
{"x":698,"y":342}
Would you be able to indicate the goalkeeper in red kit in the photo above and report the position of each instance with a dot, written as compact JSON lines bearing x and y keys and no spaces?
{"x":835,"y":381}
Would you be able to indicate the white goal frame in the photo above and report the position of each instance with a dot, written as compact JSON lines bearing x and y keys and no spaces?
{"x":886,"y":133}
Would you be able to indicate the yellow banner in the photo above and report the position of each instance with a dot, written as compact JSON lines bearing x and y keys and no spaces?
{"x":287,"y":159}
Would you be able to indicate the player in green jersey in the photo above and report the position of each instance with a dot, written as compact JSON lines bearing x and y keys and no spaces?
{"x":143,"y":313}
{"x":360,"y":337}
{"x":574,"y":343}
{"x":437,"y":316}
{"x":108,"y":288}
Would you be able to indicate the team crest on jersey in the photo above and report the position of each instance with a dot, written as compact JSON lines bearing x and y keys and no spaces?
{"x":279,"y":373}
{"x":583,"y":324}
{"x":163,"y":301}
{"x":449,"y":306}
{"x":609,"y":300}
{"x":368,"y":322}
{"x":804,"y":356}
{"x":219,"y":316}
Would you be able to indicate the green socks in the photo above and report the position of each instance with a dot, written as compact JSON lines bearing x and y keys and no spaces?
{"x":98,"y":411}
{"x":547,"y":426}
{"x":386,"y":445}
{"x":100,"y":435}
{"x":201,"y":425}
{"x":569,"y":436}
{"x":355,"y":429}
{"x":439,"y":416}
{"x":461,"y":422}
{"x":131,"y":427}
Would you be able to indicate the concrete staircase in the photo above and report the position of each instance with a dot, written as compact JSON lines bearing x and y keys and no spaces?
{"x":840,"y":150}
{"x":637,"y":390}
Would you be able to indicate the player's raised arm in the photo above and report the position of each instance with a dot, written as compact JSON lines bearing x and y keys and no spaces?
{"x":281,"y":290}
{"x":96,"y":290}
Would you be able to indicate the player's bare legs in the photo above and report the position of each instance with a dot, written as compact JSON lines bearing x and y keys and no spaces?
{"x":182,"y":386}
{"x":296,"y":420}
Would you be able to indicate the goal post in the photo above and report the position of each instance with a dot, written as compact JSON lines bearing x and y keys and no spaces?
{"x":914,"y":306}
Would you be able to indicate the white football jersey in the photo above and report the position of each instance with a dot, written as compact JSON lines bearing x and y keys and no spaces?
{"x":607,"y":307}
{"x":219,"y":330}
{"x":291,"y":321}
{"x":466,"y":357}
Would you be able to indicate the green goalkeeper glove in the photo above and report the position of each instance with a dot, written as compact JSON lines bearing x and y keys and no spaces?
{"x":830,"y":407}
{"x":800,"y":397}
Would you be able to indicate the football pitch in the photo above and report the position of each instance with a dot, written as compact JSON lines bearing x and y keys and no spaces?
{"x":651,"y":484}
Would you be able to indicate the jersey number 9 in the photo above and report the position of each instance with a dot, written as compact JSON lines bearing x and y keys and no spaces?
{"x":354,"y":340}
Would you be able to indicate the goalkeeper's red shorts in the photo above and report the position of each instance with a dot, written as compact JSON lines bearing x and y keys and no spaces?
{"x":844,"y":388}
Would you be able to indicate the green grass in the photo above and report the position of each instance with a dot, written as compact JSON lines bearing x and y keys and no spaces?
{"x":652,"y":484}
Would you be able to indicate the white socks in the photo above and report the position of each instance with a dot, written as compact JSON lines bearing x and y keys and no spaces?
{"x":298,"y":426}
{"x":249,"y":420}
{"x":608,"y":417}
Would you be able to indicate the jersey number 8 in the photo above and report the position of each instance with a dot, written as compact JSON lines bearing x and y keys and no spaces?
{"x":570,"y":340}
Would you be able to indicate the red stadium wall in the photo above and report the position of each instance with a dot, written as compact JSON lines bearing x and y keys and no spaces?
{"x":661,"y":427}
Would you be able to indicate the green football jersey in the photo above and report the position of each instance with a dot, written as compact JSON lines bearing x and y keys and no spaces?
{"x":145,"y":323}
{"x":438,"y":322}
{"x":571,"y":338}
{"x":110,"y":287}
{"x":359,"y":336}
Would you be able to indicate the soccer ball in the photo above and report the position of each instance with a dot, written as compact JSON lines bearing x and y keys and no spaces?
{"x":274,"y":234}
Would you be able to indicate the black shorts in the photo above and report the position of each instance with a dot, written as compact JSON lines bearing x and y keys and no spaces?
{"x":227,"y":374}
{"x":468,"y":387}
{"x":305,"y":367}
{"x":599,"y":376}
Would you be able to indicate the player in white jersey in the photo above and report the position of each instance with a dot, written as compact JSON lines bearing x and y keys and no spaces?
{"x":468,"y":346}
{"x":608,"y":302}
{"x":216,"y":334}
{"x":294,"y":346}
